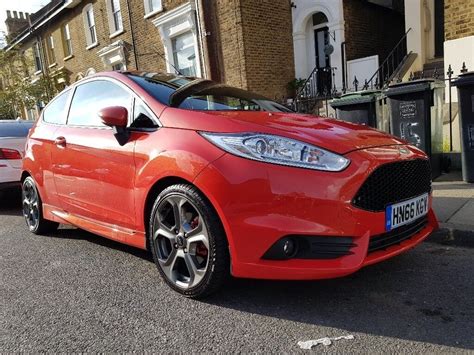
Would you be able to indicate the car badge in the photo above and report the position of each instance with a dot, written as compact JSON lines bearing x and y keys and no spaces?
{"x":404,"y":151}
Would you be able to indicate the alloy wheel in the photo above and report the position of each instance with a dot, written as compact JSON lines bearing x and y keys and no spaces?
{"x":181,"y":241}
{"x":30,"y":204}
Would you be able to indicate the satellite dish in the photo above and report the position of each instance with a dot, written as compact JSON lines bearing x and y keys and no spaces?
{"x":328,"y":49}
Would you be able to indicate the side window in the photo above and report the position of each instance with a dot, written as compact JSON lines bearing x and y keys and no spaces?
{"x":89,"y":98}
{"x":56,"y":112}
{"x":142,"y":117}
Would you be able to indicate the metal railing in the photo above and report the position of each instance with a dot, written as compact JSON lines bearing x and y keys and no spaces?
{"x":390,"y":66}
{"x":318,"y":86}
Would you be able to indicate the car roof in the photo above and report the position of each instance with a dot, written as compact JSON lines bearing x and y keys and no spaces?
{"x":14,"y":128}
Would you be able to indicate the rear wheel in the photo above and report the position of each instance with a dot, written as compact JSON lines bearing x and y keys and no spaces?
{"x":33,"y":209}
{"x":188,"y":242}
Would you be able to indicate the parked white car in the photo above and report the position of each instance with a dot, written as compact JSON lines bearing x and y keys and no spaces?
{"x":12,"y":149}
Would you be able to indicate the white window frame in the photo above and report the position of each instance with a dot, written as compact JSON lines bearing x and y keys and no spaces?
{"x":150,"y":10}
{"x":51,"y":53}
{"x":89,"y":26}
{"x":174,"y":23}
{"x":67,"y":42}
{"x":113,"y":54}
{"x":115,"y":24}
{"x":37,"y":54}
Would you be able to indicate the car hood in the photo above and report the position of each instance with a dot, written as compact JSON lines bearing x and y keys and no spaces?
{"x":334,"y":135}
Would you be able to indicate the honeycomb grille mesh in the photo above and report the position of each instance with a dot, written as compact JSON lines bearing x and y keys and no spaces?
{"x":392,"y":183}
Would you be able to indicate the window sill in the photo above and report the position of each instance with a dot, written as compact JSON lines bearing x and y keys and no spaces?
{"x":68,"y":57}
{"x":116,"y":33}
{"x":154,"y":12}
{"x":53,"y":65}
{"x":93,"y":45}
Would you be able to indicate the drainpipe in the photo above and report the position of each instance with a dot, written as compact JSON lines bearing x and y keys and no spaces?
{"x":44,"y":70}
{"x":132,"y":35}
{"x":210,"y":42}
{"x":200,"y":34}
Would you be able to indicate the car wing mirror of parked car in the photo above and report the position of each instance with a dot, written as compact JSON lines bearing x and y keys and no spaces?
{"x":117,"y":118}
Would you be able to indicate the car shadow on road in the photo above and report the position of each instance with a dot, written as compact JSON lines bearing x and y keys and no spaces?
{"x":67,"y":232}
{"x":407,"y":297}
{"x":10,"y":203}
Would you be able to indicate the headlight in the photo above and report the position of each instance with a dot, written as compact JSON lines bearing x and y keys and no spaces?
{"x":278,"y":150}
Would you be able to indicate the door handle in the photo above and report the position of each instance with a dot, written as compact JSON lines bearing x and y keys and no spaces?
{"x":60,"y":142}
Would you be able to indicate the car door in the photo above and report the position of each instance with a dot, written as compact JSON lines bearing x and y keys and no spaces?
{"x":94,"y":174}
{"x":38,"y":158}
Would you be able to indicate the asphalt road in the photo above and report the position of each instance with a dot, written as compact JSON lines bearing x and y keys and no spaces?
{"x":74,"y":291}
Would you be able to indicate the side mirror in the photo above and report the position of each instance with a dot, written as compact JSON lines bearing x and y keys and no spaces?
{"x":117,"y":118}
{"x":114,"y":116}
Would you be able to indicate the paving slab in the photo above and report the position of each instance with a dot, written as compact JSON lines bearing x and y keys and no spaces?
{"x":465,"y":215}
{"x":453,"y":202}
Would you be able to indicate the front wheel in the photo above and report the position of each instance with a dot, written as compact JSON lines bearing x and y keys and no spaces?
{"x":188,"y":242}
{"x":33,"y":209}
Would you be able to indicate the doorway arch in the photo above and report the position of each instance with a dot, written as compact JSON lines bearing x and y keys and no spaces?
{"x":310,"y":20}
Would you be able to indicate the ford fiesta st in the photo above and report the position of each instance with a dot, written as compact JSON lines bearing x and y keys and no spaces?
{"x":214,"y":181}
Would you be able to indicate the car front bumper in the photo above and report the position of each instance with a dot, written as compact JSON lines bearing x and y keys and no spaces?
{"x":260,"y":203}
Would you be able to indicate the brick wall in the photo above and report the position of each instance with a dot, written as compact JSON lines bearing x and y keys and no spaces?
{"x":255,"y":45}
{"x":371,"y":29}
{"x":228,"y":26}
{"x":268,"y":46}
{"x":253,"y":42}
{"x":82,"y":58}
{"x":459,"y":19}
{"x":148,"y":44}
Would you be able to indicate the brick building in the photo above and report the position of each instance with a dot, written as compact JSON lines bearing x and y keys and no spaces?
{"x":70,"y":39}
{"x":257,"y":45}
{"x":351,"y":36}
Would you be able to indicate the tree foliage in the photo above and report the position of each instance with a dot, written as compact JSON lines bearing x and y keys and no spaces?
{"x":17,"y":89}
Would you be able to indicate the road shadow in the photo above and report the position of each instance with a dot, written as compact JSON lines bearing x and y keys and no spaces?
{"x":404,"y":298}
{"x":68,"y":232}
{"x":416,"y":296}
{"x":10,"y":203}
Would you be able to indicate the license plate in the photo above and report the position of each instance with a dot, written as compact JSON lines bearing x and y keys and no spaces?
{"x":405,"y":212}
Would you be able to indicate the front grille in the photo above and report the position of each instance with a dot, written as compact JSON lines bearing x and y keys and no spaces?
{"x":324,"y":247}
{"x":394,"y":182}
{"x":396,"y":236}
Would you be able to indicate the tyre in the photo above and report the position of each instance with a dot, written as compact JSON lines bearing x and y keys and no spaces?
{"x":188,"y":242}
{"x":33,"y":209}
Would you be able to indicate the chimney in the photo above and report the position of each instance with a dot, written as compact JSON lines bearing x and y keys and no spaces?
{"x":15,"y":24}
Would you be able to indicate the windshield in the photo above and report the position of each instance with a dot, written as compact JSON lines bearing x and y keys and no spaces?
{"x":202,"y":95}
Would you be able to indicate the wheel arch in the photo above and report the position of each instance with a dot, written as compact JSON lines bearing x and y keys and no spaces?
{"x":24,"y":175}
{"x":162,"y":184}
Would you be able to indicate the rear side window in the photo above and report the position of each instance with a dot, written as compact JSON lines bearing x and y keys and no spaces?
{"x":89,"y":98}
{"x":56,"y":111}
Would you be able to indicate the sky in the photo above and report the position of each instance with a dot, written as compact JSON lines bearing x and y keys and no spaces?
{"x":30,"y":6}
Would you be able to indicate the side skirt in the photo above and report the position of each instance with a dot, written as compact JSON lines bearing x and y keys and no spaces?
{"x":122,"y":235}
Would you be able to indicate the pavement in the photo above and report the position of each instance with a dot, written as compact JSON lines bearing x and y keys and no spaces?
{"x":453,"y":202}
{"x":73,"y":291}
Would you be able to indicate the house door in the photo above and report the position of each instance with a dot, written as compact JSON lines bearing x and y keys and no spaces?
{"x":439,"y":28}
{"x":323,"y":61}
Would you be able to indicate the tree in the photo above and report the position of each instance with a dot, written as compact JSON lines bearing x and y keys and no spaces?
{"x":17,"y":90}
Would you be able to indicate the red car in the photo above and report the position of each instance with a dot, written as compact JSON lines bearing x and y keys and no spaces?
{"x":215,"y":180}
